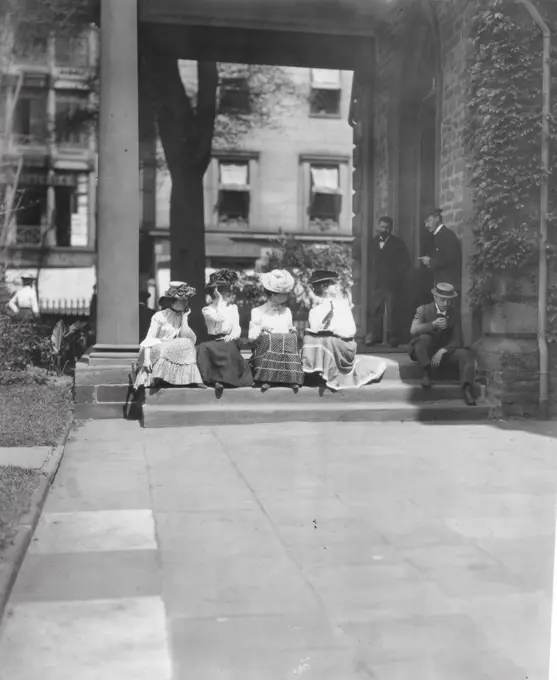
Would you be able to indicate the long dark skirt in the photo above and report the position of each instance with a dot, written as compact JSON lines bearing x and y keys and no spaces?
{"x":276,"y":359}
{"x":222,"y":362}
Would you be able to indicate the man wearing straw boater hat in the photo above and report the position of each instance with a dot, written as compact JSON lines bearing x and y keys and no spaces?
{"x":436,"y":340}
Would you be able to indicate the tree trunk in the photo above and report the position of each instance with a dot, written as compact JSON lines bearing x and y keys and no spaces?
{"x":186,"y":135}
{"x":187,"y":236}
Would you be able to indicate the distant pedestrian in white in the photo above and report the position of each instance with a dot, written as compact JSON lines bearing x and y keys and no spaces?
{"x":24,"y":304}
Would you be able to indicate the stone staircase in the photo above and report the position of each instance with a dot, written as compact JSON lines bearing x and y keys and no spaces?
{"x":398,"y":397}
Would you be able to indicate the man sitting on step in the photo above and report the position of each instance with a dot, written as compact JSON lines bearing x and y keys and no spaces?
{"x":436,"y":340}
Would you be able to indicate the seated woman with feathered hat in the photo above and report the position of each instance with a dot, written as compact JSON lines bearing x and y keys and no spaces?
{"x":276,"y":359}
{"x":329,"y":350}
{"x":219,"y":359}
{"x":167,"y":354}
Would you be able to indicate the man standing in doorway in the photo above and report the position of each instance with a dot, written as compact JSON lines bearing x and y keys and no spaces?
{"x":390,"y":264}
{"x":446,"y":260}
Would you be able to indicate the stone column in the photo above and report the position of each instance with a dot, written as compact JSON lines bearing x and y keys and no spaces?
{"x":118,"y":184}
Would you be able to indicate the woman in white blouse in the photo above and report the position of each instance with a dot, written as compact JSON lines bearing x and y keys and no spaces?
{"x":329,"y":349}
{"x":167,"y":354}
{"x":219,"y":359}
{"x":275,"y":359}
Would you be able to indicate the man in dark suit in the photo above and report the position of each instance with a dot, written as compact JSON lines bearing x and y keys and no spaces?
{"x":390,"y":264}
{"x":446,"y":258}
{"x":436,"y":340}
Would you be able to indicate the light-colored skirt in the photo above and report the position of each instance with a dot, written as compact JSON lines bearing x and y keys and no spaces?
{"x":334,"y":359}
{"x":172,"y":361}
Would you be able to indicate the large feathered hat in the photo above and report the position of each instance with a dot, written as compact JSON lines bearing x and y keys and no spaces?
{"x":222,"y":278}
{"x":278,"y":281}
{"x":177,"y":290}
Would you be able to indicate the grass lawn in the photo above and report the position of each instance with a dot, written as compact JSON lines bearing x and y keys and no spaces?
{"x":16,"y":488}
{"x":34,"y":413}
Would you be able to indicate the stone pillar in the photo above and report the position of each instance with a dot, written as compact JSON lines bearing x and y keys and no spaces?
{"x":118,"y":184}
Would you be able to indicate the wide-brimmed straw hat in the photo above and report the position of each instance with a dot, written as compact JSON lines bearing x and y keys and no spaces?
{"x":177,"y":290}
{"x":444,"y":290}
{"x":222,"y":278}
{"x":323,"y":276}
{"x":278,"y":281}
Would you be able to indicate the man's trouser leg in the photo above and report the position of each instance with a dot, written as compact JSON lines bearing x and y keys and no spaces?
{"x":395,"y":310}
{"x":423,"y":351}
{"x":375,"y":326}
{"x":464,"y":360}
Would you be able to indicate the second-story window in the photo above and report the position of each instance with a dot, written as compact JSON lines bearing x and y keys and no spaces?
{"x":234,"y":96}
{"x":71,"y":125}
{"x":30,"y":118}
{"x":71,"y":51}
{"x":325,"y":92}
{"x":325,"y":201}
{"x":234,"y":193}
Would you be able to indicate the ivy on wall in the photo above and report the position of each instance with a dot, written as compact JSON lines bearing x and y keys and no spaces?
{"x":503,"y":136}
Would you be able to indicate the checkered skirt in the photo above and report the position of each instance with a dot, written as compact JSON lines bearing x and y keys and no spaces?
{"x":276,"y":359}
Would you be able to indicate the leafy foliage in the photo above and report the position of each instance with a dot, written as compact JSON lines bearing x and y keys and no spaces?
{"x":300,"y":259}
{"x":504,"y":139}
{"x":22,"y":343}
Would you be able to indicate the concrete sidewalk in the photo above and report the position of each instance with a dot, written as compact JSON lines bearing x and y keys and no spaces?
{"x":330,"y":552}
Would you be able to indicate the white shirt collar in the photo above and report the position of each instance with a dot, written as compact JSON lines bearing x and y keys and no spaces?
{"x":439,"y":311}
{"x":438,"y":229}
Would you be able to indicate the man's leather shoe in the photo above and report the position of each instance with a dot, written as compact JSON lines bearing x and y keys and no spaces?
{"x":468,"y":395}
{"x":426,"y":380}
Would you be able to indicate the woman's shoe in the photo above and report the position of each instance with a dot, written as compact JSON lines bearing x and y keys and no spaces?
{"x":219,"y":389}
{"x":265,"y":387}
{"x":295,"y":389}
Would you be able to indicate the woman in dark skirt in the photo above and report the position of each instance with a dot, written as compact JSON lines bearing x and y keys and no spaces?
{"x":276,"y":359}
{"x":219,"y":359}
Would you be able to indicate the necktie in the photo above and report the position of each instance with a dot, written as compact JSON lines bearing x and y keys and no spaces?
{"x":328,"y":318}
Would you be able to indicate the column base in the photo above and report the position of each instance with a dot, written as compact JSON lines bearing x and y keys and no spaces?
{"x":103,"y":385}
{"x":509,"y":368}
{"x":112,"y":355}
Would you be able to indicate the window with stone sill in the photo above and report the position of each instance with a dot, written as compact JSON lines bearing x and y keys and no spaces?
{"x":234,"y":96}
{"x":325,"y":199}
{"x":70,"y":122}
{"x":71,"y":51}
{"x":30,"y":43}
{"x":30,"y":118}
{"x":325,"y":95}
{"x":233,"y":204}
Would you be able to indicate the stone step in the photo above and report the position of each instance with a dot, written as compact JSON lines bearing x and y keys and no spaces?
{"x":387,"y":390}
{"x":399,"y":365}
{"x":221,"y":413}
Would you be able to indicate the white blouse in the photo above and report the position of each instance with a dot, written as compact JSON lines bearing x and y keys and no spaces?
{"x":269,"y":318}
{"x":342,"y":322}
{"x":222,"y":320}
{"x":168,"y":325}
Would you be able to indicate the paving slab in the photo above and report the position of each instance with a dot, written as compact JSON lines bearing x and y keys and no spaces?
{"x":24,"y":456}
{"x":286,"y":551}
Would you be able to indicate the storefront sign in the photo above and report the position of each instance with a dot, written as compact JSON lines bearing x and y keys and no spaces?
{"x":59,"y":179}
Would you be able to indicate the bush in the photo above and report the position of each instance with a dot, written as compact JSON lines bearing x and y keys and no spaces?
{"x":300,"y":259}
{"x":22,"y":343}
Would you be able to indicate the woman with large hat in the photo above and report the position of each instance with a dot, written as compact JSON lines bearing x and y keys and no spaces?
{"x":329,"y":350}
{"x":219,"y":359}
{"x":275,"y":359}
{"x":167,"y":354}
